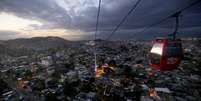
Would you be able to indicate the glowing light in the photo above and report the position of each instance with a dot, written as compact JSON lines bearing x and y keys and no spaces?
{"x":46,"y":32}
{"x":157,"y":48}
{"x":65,"y":33}
{"x":24,"y":28}
{"x":13,"y":23}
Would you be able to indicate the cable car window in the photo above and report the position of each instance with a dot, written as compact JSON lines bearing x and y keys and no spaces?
{"x":157,"y":48}
{"x":156,"y":53}
{"x":155,"y":58}
{"x":173,"y":50}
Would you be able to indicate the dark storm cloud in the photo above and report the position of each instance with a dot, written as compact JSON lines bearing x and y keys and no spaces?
{"x":148,"y":12}
{"x":46,"y":11}
{"x":112,"y":11}
{"x":152,"y":11}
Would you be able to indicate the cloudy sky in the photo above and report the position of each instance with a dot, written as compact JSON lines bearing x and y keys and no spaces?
{"x":76,"y":19}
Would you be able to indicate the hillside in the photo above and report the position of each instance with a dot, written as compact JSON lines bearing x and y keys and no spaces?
{"x":37,"y":43}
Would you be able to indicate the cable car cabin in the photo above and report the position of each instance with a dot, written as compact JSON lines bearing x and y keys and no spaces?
{"x":166,"y":54}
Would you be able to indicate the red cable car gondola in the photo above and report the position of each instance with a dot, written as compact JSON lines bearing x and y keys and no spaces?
{"x":167,"y":53}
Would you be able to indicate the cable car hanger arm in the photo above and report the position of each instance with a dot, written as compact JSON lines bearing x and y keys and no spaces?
{"x":176,"y":15}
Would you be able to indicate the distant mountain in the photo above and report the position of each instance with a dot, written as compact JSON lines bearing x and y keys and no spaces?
{"x":36,"y":43}
{"x":26,"y":46}
{"x":2,"y":47}
{"x":1,"y":42}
